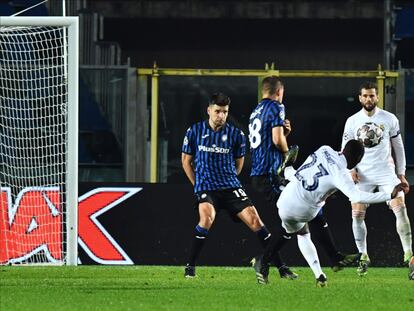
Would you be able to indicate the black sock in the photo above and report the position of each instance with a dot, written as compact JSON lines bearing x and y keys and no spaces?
{"x":321,"y":233}
{"x":264,"y":236}
{"x":200,"y":237}
{"x":271,"y":253}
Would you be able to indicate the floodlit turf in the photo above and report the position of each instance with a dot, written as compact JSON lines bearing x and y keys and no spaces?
{"x":214,"y":288}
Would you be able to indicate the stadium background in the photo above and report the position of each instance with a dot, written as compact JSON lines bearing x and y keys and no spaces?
{"x":119,"y":36}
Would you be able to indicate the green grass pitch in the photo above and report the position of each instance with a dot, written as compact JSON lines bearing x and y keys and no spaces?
{"x":214,"y":288}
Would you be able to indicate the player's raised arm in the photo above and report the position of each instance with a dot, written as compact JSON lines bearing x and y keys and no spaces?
{"x":287,"y":127}
{"x":279,"y":139}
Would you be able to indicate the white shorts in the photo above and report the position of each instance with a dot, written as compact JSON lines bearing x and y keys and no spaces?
{"x":293,"y":211}
{"x":384,"y":183}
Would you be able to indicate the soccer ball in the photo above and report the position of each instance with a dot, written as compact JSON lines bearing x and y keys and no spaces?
{"x":369,"y":134}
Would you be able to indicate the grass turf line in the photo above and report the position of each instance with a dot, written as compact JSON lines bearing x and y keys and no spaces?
{"x":214,"y":288}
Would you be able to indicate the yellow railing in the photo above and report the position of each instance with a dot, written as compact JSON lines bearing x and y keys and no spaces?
{"x":379,"y":74}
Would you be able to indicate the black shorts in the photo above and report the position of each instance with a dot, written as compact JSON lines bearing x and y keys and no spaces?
{"x":233,"y":201}
{"x":263,"y":184}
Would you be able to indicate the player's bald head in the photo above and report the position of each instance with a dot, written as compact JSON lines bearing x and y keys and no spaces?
{"x":271,"y":85}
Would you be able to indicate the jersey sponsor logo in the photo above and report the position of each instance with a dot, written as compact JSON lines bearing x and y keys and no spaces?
{"x":34,"y":223}
{"x":213,"y":149}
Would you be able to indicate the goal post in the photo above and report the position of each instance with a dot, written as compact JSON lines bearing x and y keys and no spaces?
{"x":39,"y":140}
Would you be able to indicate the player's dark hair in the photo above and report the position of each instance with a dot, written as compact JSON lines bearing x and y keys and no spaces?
{"x":368,"y":85}
{"x":271,"y":85}
{"x":219,"y":99}
{"x":353,"y":152}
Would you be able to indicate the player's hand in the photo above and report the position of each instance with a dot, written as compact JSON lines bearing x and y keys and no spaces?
{"x":355,"y":176}
{"x":404,"y":182}
{"x":397,"y":188}
{"x":287,"y":128}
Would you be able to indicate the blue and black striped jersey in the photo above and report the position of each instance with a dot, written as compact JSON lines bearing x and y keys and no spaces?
{"x":214,"y":155}
{"x":266,"y":158}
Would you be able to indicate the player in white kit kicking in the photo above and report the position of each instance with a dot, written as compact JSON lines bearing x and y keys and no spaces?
{"x":379,"y":131}
{"x":324,"y":172}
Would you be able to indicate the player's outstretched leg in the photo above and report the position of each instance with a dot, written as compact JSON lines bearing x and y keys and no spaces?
{"x":308,"y":250}
{"x":322,"y":281}
{"x":364,"y":263}
{"x":345,"y":260}
{"x":261,"y":269}
{"x":290,"y":158}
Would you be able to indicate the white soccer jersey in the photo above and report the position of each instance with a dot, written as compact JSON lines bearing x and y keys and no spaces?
{"x":377,"y":160}
{"x":318,"y":177}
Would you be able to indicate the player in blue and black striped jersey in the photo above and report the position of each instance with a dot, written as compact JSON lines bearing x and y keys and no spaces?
{"x":212,"y":156}
{"x":266,"y":134}
{"x":216,"y":152}
{"x":268,"y":131}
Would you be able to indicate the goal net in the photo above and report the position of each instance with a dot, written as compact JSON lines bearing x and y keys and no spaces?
{"x":38,"y":140}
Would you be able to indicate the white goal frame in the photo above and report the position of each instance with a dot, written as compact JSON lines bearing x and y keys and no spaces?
{"x":72,"y":151}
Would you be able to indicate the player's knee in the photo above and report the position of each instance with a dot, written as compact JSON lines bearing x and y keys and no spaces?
{"x":251,"y":218}
{"x":358,"y":214}
{"x":359,"y":207}
{"x":255,"y":222}
{"x":303,"y":231}
{"x":396,"y":208}
{"x":397,"y":202}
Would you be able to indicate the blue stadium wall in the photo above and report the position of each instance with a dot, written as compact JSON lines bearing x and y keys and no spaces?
{"x":153,"y":224}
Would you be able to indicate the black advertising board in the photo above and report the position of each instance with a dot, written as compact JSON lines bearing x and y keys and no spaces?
{"x":153,"y":224}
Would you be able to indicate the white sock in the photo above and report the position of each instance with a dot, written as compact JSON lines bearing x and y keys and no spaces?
{"x":403,"y":228}
{"x":308,"y":251}
{"x":360,"y":230}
